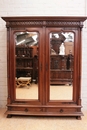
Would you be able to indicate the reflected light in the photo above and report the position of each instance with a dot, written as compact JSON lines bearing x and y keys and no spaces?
{"x":20,"y":42}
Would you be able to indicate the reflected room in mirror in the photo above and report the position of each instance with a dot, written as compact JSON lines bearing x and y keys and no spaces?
{"x":26,"y":65}
{"x":61,"y":65}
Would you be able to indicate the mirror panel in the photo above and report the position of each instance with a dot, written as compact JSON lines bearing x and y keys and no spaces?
{"x":26,"y":65}
{"x":61,"y":65}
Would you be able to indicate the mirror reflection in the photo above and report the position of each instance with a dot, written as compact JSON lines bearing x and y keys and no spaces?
{"x":61,"y":65}
{"x":26,"y":59}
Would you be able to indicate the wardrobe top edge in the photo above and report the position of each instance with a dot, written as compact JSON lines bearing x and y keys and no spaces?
{"x":42,"y":18}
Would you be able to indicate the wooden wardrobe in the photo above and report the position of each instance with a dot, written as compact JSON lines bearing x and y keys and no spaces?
{"x":44,"y":65}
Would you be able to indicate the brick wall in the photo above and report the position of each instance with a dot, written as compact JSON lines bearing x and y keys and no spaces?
{"x":40,"y":8}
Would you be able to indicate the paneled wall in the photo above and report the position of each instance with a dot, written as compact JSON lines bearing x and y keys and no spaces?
{"x":40,"y":8}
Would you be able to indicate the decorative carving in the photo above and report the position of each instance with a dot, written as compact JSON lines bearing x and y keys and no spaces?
{"x":43,"y":23}
{"x":26,"y":23}
{"x":59,"y":23}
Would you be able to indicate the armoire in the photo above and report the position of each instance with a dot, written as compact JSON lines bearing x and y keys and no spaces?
{"x":44,"y":65}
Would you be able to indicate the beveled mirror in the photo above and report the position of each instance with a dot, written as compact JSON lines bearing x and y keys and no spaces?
{"x":26,"y":65}
{"x":61,"y":65}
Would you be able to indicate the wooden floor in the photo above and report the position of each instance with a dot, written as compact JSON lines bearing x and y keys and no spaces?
{"x":42,"y":123}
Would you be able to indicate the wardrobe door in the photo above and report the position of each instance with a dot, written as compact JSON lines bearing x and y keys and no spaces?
{"x":26,"y":50}
{"x":60,"y":60}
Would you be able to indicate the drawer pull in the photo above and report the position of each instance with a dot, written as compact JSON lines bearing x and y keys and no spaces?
{"x":61,"y":110}
{"x":26,"y":110}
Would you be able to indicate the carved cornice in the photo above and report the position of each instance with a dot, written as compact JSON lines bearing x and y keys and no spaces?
{"x":44,"y":23}
{"x":63,"y":23}
{"x":26,"y":23}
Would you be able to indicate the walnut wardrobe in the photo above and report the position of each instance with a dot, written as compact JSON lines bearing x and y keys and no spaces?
{"x":44,"y":66}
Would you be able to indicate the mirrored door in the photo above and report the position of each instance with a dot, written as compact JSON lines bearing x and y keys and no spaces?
{"x":27,"y":63}
{"x":61,"y":64}
{"x":26,"y":58}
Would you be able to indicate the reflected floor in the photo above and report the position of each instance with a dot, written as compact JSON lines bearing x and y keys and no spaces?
{"x":56,"y":92}
{"x":27,"y":93}
{"x":60,"y":92}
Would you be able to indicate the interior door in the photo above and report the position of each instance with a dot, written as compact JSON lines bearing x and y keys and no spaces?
{"x":60,"y":84}
{"x":26,"y":53}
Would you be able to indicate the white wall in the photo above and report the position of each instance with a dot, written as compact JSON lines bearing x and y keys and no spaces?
{"x":40,"y":8}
